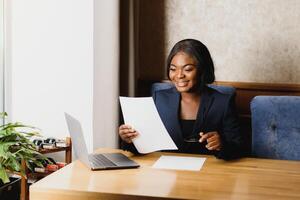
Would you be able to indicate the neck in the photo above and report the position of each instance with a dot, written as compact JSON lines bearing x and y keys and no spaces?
{"x":190,"y":96}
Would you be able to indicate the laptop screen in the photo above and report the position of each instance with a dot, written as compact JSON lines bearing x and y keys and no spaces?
{"x":77,"y":137}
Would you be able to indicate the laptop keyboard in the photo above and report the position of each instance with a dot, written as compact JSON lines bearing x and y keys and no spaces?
{"x":99,"y":160}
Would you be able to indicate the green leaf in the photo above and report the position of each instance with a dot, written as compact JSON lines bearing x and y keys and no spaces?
{"x":3,"y":175}
{"x":14,"y":164}
{"x":3,"y":114}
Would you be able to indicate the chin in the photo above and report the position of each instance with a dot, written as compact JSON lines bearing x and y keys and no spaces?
{"x":183,"y":89}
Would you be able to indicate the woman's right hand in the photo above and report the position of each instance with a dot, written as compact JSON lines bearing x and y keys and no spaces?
{"x":127,"y":133}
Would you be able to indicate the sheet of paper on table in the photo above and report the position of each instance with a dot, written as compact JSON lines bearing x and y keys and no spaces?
{"x":179,"y":163}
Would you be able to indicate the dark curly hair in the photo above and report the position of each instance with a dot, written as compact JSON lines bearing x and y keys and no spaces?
{"x":196,"y":49}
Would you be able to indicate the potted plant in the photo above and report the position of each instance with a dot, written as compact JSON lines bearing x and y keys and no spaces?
{"x":15,"y":146}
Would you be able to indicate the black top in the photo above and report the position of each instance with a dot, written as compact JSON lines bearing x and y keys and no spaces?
{"x":187,"y":126}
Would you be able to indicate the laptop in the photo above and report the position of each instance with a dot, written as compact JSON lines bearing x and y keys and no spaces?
{"x":95,"y":161}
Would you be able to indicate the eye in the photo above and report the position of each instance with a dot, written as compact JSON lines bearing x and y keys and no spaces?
{"x":172,"y":68}
{"x":189,"y":68}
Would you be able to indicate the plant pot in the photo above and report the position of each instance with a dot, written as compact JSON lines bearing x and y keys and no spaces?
{"x":11,"y":190}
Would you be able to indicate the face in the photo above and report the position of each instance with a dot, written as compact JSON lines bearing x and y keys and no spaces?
{"x":183,"y":72}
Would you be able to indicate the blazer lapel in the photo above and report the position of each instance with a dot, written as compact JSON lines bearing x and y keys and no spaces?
{"x":168,"y":108}
{"x":176,"y":133}
{"x":206,"y":102}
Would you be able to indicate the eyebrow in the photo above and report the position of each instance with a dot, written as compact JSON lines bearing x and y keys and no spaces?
{"x":183,"y":65}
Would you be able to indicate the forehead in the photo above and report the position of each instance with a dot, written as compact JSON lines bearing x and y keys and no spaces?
{"x":182,"y":58}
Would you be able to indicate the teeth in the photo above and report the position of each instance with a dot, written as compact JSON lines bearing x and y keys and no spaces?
{"x":182,"y":84}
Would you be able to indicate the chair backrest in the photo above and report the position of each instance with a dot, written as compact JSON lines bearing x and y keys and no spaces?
{"x":276,"y":127}
{"x":220,"y":88}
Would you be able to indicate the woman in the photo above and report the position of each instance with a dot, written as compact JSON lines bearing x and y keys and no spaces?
{"x":198,"y":118}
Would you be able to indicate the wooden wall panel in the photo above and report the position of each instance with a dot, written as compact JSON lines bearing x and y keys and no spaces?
{"x":247,"y":90}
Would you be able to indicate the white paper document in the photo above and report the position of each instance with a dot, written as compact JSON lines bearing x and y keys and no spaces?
{"x":179,"y":163}
{"x":142,"y":115}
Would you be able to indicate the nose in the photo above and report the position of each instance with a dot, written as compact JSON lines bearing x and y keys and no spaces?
{"x":180,"y":74}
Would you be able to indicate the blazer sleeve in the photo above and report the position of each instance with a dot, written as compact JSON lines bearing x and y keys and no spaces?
{"x":129,"y":147}
{"x":232,"y":140}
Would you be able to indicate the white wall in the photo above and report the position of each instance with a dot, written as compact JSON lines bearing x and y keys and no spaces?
{"x":63,"y":56}
{"x":1,"y":58}
{"x":106,"y":74}
{"x":50,"y":64}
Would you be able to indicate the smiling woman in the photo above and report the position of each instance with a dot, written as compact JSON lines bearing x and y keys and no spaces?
{"x":193,"y":52}
{"x":200,"y":119}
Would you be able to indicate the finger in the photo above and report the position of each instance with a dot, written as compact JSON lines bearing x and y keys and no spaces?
{"x":210,"y":144}
{"x":212,"y":138}
{"x":215,"y":147}
{"x":125,"y":136}
{"x":130,"y":135}
{"x":129,"y":130}
{"x":204,"y":137}
{"x":125,"y":126}
{"x":126,"y":131}
{"x":123,"y":132}
{"x":210,"y":134}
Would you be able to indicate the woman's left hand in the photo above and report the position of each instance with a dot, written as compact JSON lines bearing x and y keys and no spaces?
{"x":213,"y":140}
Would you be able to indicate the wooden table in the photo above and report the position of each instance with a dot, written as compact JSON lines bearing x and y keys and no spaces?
{"x":247,"y":178}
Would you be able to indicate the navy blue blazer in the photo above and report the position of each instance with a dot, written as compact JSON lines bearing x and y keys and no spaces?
{"x":216,"y":113}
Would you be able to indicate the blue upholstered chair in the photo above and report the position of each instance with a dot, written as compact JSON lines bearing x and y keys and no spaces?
{"x":220,"y":88}
{"x":276,"y":127}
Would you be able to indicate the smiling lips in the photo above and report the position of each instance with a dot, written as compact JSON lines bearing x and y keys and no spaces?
{"x":182,"y":83}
